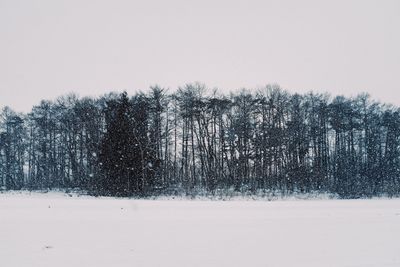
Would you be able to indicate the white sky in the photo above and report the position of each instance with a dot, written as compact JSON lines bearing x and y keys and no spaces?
{"x":49,"y":48}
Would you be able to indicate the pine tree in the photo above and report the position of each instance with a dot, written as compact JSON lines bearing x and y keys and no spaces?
{"x":117,"y":157}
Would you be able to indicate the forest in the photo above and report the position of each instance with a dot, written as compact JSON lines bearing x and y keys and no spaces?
{"x":196,"y":139}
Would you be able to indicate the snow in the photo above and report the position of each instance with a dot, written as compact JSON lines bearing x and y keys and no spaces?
{"x":55,"y":229}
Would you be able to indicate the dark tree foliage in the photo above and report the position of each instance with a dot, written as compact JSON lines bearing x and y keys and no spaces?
{"x":197,"y":140}
{"x":118,"y":150}
{"x":124,"y":156}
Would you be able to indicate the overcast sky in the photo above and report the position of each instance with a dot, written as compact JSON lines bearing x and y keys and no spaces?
{"x":49,"y":48}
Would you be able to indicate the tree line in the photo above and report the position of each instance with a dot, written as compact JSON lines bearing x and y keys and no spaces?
{"x":196,"y":139}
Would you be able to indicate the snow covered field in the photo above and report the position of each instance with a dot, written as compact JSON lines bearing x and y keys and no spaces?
{"x":57,"y":230}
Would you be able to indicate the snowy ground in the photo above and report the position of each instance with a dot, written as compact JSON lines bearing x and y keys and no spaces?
{"x":56,"y":230}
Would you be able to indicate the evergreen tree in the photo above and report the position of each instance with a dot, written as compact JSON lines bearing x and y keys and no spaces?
{"x":117,"y":157}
